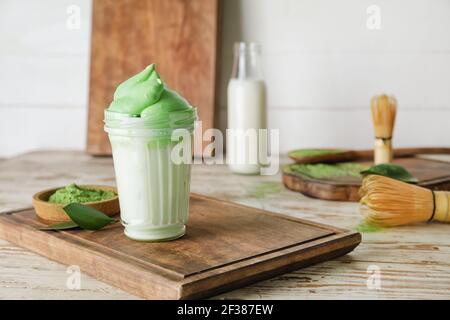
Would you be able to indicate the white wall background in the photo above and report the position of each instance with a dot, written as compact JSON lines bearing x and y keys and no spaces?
{"x":43,"y":75}
{"x":322,"y":64}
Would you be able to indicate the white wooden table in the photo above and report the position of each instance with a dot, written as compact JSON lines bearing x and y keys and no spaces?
{"x":414,"y":261}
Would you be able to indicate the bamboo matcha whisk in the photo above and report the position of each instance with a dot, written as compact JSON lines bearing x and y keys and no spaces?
{"x":388,"y":202}
{"x":383,"y":116}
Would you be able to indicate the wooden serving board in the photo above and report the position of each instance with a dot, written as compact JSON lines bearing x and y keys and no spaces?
{"x":180,"y":36}
{"x":430,"y":173}
{"x":227,"y":245}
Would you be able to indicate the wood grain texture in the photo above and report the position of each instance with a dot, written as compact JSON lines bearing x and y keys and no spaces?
{"x":414,"y":261}
{"x":353,"y":155}
{"x":431,"y":174}
{"x":226,"y":246}
{"x":180,"y":36}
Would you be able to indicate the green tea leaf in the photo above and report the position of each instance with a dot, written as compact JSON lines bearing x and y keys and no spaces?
{"x":87,"y":217}
{"x":61,"y":226}
{"x":390,"y":170}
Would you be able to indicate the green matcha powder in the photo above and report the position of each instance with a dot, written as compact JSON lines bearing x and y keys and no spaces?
{"x":327,"y":171}
{"x":314,"y":152}
{"x":73,"y":193}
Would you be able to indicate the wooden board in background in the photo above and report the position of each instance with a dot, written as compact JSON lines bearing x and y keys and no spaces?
{"x":180,"y":36}
{"x":227,"y":246}
{"x":431,"y":174}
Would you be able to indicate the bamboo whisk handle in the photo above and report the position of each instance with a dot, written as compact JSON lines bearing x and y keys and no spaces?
{"x":441,"y":206}
{"x":383,"y":150}
{"x":383,"y":109}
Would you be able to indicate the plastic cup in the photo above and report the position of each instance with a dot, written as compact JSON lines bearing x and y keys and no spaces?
{"x":153,"y":189}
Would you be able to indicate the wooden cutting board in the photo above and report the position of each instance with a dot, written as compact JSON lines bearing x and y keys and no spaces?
{"x":180,"y":36}
{"x":431,"y":174}
{"x":227,"y":246}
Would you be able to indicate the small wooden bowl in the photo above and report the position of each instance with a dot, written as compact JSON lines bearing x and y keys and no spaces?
{"x":54,"y":213}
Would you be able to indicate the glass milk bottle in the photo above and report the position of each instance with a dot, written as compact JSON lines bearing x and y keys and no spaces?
{"x":246,"y":110}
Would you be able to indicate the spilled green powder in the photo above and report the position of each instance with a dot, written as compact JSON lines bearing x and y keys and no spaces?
{"x":326,"y":171}
{"x":300,"y":153}
{"x":73,"y":193}
{"x":364,"y":227}
{"x":262,"y":189}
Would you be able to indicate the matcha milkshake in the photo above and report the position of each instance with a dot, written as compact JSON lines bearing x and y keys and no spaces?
{"x":153,"y":189}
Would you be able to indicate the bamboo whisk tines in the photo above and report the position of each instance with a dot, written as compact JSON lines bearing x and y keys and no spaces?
{"x":389,"y":202}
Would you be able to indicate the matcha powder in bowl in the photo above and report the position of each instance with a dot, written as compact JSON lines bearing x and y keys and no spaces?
{"x":73,"y":193}
{"x":327,"y":171}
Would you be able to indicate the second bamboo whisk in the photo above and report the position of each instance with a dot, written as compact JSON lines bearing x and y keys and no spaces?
{"x":388,"y":202}
{"x":383,"y":116}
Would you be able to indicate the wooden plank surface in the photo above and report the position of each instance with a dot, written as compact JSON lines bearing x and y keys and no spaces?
{"x":226,"y":246}
{"x":414,"y":261}
{"x":432,"y":174}
{"x":180,"y":36}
